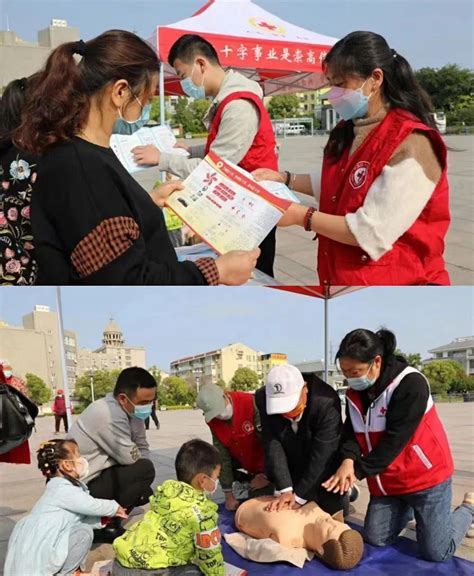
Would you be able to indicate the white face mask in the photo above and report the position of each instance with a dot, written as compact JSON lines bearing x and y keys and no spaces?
{"x":82,"y":467}
{"x":216,"y":485}
{"x":227,"y":414}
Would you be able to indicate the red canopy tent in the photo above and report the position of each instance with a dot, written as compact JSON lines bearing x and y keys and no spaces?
{"x":280,"y":56}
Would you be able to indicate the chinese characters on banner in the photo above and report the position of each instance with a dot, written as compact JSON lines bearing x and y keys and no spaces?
{"x":252,"y":54}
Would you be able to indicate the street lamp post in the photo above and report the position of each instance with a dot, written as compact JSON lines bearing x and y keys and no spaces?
{"x":197,"y":375}
{"x":92,"y":388}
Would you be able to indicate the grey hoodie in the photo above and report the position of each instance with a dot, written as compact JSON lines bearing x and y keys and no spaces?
{"x":108,"y":436}
{"x":237,"y":130}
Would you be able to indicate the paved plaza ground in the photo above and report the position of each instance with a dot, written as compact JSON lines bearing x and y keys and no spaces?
{"x":296,"y":254}
{"x":21,"y":486}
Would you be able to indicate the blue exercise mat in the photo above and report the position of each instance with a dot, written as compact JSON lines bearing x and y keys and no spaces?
{"x":401,"y":559}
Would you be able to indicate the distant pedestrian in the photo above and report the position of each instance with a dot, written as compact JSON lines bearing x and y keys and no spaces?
{"x":59,"y":411}
{"x":153,"y":416}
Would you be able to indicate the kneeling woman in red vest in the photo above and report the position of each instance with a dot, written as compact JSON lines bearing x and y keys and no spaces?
{"x":234,"y":421}
{"x":383,"y":190}
{"x":393,"y":437}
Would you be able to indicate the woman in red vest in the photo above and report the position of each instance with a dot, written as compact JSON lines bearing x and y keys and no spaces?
{"x":393,"y":437}
{"x":383,"y":190}
{"x":234,"y":422}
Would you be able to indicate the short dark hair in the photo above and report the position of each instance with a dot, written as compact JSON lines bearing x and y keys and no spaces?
{"x":187,"y":47}
{"x":196,"y":457}
{"x":131,"y":379}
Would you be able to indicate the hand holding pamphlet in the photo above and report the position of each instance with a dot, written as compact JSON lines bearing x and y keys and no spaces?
{"x":224,"y":206}
{"x":161,"y":137}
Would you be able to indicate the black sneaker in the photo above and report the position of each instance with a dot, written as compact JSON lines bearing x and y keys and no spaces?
{"x":354,"y":493}
{"x":108,"y":534}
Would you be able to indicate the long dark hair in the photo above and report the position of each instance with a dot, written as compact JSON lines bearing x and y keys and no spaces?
{"x":358,"y":54}
{"x":364,"y":345}
{"x":12,"y":103}
{"x":50,"y":453}
{"x":60,"y":102}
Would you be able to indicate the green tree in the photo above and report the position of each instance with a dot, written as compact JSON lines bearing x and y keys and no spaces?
{"x":155,"y":110}
{"x":178,"y":391}
{"x":244,"y":380}
{"x":103,"y":380}
{"x":222,"y":384}
{"x":284,"y":106}
{"x":183,"y":115}
{"x":447,"y":373}
{"x":446,"y":85}
{"x":438,"y":387}
{"x":198,"y":109}
{"x":412,"y":359}
{"x":37,"y":389}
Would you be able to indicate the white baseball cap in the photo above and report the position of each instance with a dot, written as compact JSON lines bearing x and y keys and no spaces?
{"x":283,"y":389}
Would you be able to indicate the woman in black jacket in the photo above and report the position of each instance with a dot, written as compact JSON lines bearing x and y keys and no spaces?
{"x":92,"y":222}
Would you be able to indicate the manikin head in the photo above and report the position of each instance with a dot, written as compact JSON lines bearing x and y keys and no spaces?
{"x":334,"y":542}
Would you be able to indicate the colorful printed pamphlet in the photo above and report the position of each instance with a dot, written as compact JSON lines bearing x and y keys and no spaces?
{"x":226,"y":207}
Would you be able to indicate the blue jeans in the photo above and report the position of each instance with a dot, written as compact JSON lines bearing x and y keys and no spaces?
{"x":438,"y":530}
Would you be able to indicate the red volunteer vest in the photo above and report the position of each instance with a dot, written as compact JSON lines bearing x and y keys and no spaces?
{"x":423,"y":463}
{"x":417,"y":256}
{"x":238,"y":435}
{"x":262,"y":152}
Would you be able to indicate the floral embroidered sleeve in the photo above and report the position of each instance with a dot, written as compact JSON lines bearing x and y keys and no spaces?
{"x":17,"y":258}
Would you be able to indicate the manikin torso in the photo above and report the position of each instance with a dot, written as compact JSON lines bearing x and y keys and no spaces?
{"x":306,"y":527}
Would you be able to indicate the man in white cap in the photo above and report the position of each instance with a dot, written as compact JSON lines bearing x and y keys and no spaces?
{"x":234,"y":423}
{"x":301,"y":428}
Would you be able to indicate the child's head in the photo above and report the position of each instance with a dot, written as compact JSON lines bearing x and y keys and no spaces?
{"x":62,"y":458}
{"x":198,"y":464}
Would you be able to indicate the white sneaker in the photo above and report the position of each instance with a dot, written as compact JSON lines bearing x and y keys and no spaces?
{"x":411,"y":525}
{"x":469,"y":499}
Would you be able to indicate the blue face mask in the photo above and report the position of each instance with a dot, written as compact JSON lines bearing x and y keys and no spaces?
{"x":361,"y":383}
{"x":128,"y":127}
{"x":190,"y":89}
{"x":143,"y":411}
{"x":349,"y":104}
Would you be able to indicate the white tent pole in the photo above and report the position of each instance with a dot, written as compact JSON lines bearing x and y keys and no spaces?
{"x":326,"y":338}
{"x":162,"y":94}
{"x":62,"y":353}
{"x":162,"y":105}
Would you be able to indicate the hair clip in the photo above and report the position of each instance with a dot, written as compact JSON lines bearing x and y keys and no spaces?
{"x":79,"y":48}
{"x":394,"y":53}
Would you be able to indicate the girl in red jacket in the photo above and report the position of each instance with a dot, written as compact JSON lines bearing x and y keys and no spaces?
{"x":393,"y":437}
{"x":382,"y":190}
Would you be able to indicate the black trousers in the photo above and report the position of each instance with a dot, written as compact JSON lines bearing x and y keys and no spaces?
{"x":267,"y":256}
{"x":331,"y":503}
{"x":57,"y":421}
{"x":129,"y":485}
{"x":154,"y":417}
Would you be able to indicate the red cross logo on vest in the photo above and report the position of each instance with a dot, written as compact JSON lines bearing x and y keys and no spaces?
{"x":383,"y":411}
{"x":247,"y":427}
{"x":359,"y":174}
